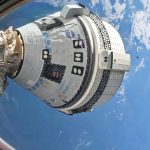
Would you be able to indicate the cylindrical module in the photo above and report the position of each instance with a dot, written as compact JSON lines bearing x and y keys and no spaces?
{"x":72,"y":60}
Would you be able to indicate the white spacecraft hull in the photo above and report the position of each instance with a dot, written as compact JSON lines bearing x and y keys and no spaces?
{"x":72,"y":60}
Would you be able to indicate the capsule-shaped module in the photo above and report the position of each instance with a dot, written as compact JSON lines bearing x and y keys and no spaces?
{"x":72,"y":59}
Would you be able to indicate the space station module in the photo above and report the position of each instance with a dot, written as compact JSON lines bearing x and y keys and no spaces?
{"x":72,"y":60}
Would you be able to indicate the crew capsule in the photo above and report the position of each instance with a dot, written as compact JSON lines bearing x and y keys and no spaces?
{"x":72,"y":60}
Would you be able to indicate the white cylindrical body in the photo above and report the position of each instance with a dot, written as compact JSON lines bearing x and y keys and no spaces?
{"x":72,"y":61}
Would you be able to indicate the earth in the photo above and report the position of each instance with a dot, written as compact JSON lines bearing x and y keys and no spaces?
{"x":123,"y":123}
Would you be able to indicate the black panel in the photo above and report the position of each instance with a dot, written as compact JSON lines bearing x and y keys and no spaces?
{"x":77,"y":70}
{"x":78,"y":57}
{"x":45,"y":55}
{"x":112,"y":59}
{"x":49,"y":23}
{"x":78,"y":43}
{"x":81,"y":5}
{"x":53,"y":72}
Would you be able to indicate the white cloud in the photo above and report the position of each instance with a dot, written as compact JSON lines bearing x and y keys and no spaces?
{"x":60,"y":133}
{"x":121,"y":115}
{"x":126,"y":76}
{"x":141,"y":25}
{"x":110,"y":15}
{"x":94,"y":2}
{"x":10,"y":98}
{"x":139,"y":48}
{"x":121,"y":91}
{"x":6,"y":96}
{"x":107,"y":7}
{"x":140,"y":28}
{"x":130,"y":2}
{"x":119,"y":10}
{"x":140,"y":66}
{"x":146,"y":4}
{"x":115,"y":12}
{"x":116,"y":114}
{"x":83,"y":142}
{"x":121,"y":95}
{"x":56,"y":3}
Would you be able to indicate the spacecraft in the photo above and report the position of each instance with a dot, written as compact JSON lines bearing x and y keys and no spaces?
{"x":72,"y":60}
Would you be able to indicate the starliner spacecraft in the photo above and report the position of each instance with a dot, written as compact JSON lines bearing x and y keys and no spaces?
{"x":72,"y":60}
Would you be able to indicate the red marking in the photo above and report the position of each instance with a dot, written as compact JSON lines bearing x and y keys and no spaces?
{"x":57,"y":74}
{"x":54,"y":74}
